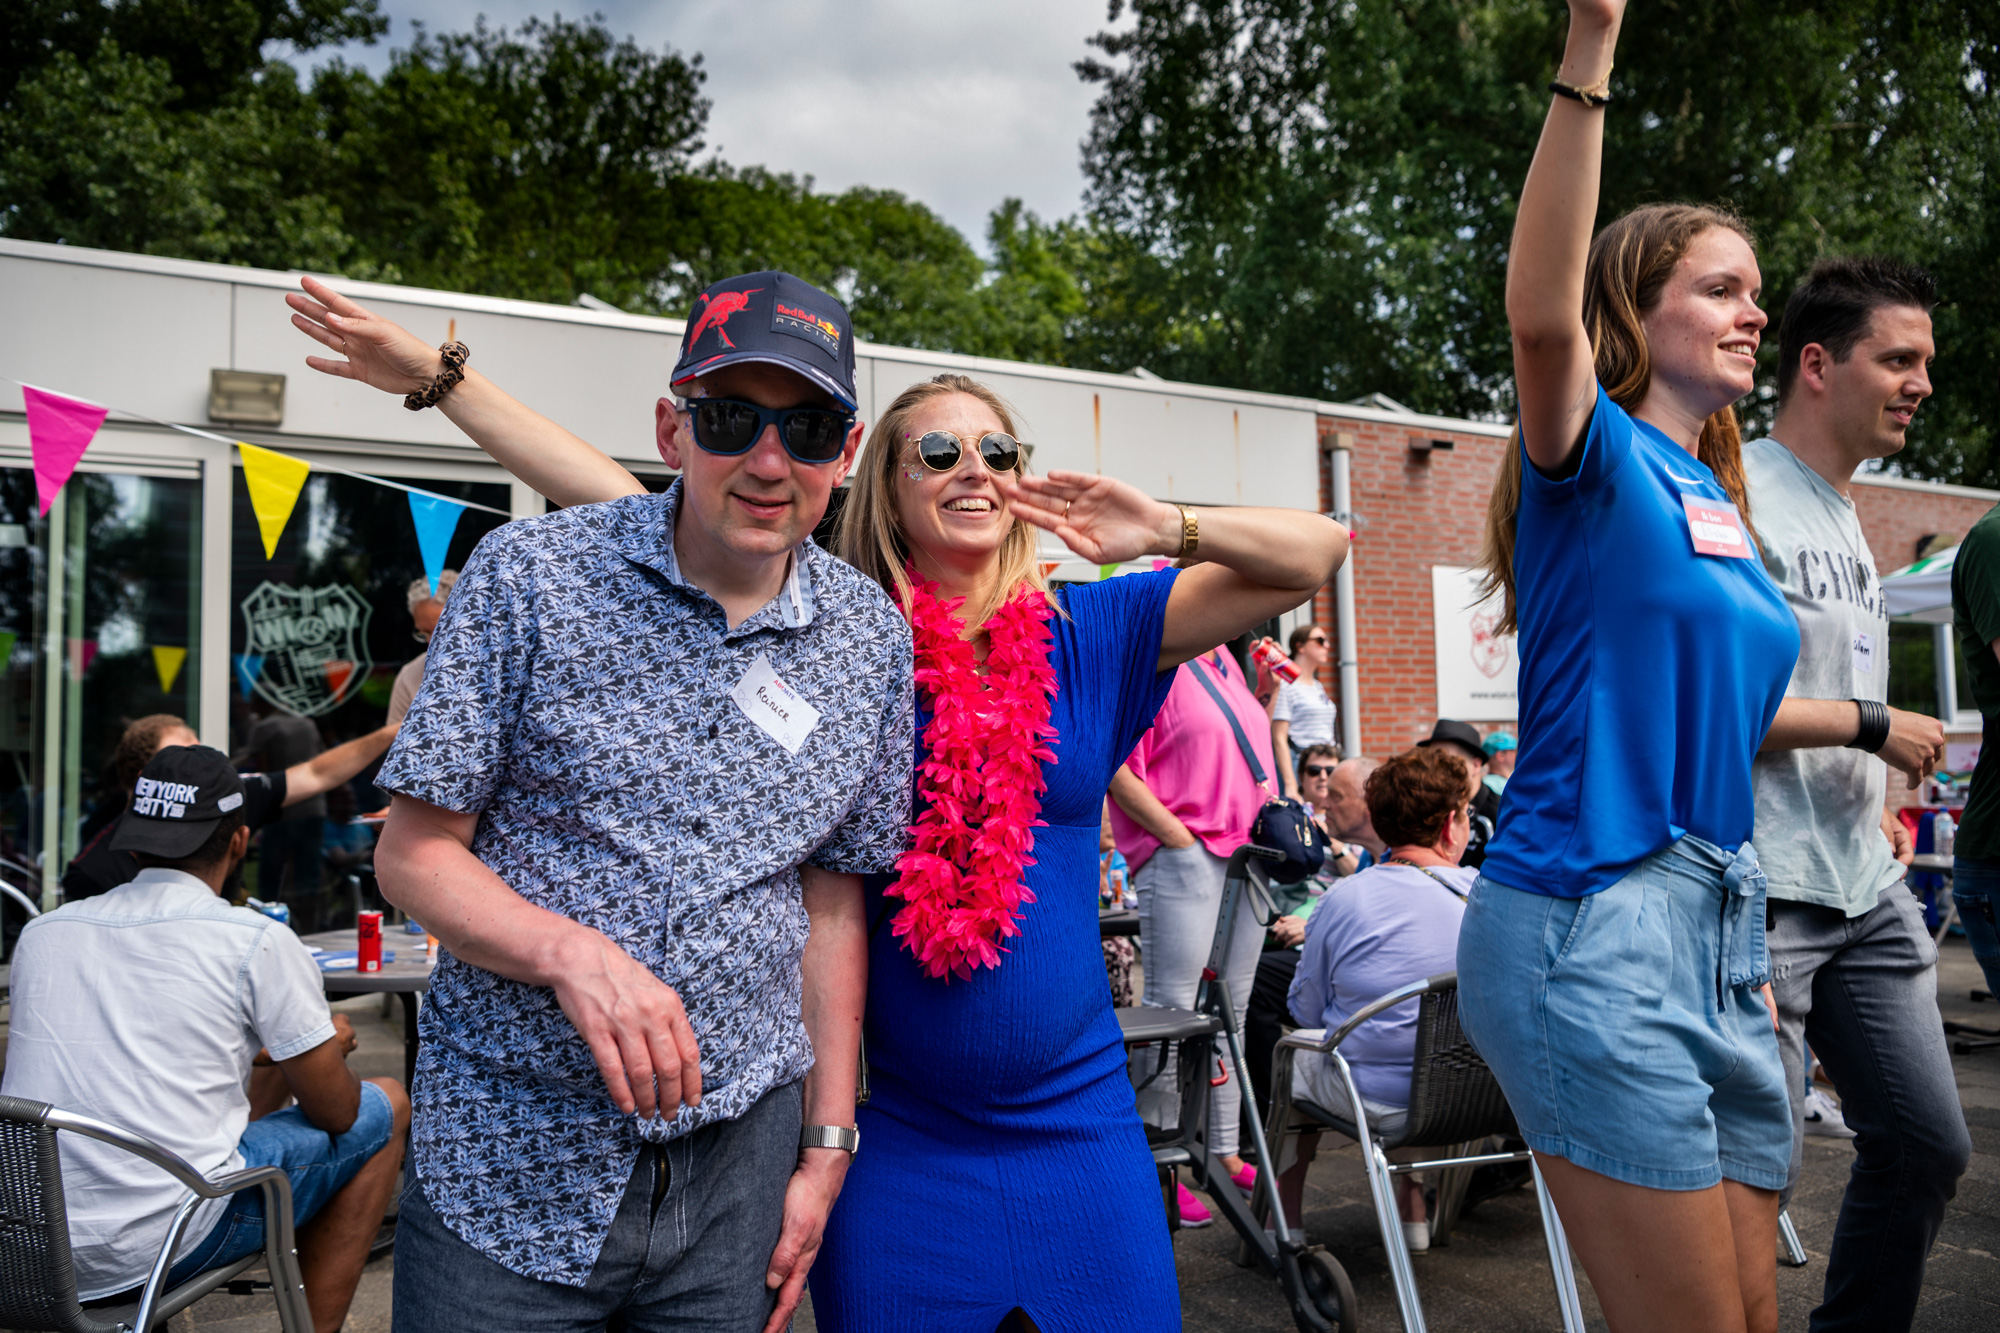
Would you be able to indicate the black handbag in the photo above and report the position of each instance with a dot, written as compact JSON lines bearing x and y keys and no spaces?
{"x":1283,"y":825}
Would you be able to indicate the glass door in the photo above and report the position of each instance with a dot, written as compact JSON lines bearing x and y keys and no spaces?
{"x":99,"y":626}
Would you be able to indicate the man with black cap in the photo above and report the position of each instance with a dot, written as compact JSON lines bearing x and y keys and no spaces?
{"x":146,"y":1006}
{"x":1464,"y":739}
{"x":659,"y":740}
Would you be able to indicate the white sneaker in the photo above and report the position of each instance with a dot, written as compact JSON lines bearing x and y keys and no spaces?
{"x":1823,"y":1118}
{"x":1417,"y":1235}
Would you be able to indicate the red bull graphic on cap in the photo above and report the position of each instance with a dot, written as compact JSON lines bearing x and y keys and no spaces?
{"x":717,"y":313}
{"x":803,"y":323}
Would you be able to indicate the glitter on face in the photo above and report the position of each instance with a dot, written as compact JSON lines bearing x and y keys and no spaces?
{"x":913,"y":472}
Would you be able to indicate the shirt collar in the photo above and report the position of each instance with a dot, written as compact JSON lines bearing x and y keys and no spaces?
{"x":169,"y":878}
{"x":644,"y":534}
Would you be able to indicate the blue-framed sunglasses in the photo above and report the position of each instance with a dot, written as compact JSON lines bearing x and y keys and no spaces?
{"x":730,"y":426}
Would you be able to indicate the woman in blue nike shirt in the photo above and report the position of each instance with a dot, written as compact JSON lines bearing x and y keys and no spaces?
{"x":1612,"y":953}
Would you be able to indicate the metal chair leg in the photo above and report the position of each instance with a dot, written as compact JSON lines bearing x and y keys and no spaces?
{"x":1390,"y":1219}
{"x":1788,"y":1236}
{"x":1559,"y":1260}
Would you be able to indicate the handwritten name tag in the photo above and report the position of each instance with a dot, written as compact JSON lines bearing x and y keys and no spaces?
{"x":1716,"y":527}
{"x":775,"y":706}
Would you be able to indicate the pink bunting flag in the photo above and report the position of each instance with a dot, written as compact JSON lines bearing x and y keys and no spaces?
{"x":59,"y":430}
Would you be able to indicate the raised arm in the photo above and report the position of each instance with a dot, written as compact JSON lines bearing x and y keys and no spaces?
{"x":1252,"y":563}
{"x":390,"y":358}
{"x":632,"y":1021}
{"x":1553,"y":375}
{"x":327,"y":770}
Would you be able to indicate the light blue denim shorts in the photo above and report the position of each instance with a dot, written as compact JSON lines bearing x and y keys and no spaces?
{"x":1626,"y":1026}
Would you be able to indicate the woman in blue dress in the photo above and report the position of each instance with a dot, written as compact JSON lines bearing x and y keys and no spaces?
{"x":1006,"y":1168}
{"x":1004,"y":1174}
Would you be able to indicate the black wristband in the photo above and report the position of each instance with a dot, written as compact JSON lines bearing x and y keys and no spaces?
{"x":1588,"y":97}
{"x":1874,"y":732}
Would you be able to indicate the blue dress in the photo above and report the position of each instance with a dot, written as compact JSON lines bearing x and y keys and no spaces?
{"x":1002,"y":1162}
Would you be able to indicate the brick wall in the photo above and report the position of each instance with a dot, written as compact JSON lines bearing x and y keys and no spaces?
{"x":1417,"y":510}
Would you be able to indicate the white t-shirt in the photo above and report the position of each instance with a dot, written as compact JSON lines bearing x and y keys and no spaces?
{"x":144,"y":1007}
{"x":1819,"y":812}
{"x":1304,"y":704}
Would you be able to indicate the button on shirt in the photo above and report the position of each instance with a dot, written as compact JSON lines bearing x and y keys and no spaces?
{"x":1819,"y":812}
{"x":577,"y":697}
{"x":144,"y":1007}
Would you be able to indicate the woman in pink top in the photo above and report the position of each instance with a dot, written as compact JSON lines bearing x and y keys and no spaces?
{"x":1183,"y":802}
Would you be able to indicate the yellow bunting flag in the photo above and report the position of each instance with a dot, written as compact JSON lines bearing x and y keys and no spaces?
{"x":167,"y":661}
{"x":275,"y":481}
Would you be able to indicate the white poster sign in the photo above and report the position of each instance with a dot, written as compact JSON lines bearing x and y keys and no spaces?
{"x":1476,"y":665}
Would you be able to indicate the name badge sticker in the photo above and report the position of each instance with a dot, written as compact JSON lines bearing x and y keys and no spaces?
{"x":775,"y":706}
{"x":1716,"y":527}
{"x":1864,"y":654}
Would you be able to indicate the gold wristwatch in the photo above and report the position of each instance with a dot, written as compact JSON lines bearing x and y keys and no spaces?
{"x":1190,"y":531}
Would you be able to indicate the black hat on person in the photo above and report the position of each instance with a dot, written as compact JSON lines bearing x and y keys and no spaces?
{"x":1464,"y":735}
{"x":772,"y":317}
{"x":181,"y":795}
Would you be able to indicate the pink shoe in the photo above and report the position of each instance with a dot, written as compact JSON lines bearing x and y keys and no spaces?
{"x":1192,"y":1213}
{"x":1246,"y":1179}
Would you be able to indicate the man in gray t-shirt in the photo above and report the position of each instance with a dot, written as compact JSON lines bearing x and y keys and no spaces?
{"x":1853,"y":968}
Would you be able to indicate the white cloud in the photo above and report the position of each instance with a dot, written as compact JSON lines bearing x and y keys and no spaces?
{"x":953,"y":103}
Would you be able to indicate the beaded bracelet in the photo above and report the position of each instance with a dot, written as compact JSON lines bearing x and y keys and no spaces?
{"x":455,"y":355}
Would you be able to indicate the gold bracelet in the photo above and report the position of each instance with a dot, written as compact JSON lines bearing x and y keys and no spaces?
{"x":1190,"y":532}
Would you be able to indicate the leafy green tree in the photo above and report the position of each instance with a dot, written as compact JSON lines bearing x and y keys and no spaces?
{"x":1318,"y":196}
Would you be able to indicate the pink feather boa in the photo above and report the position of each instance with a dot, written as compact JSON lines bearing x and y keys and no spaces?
{"x":980,"y":781}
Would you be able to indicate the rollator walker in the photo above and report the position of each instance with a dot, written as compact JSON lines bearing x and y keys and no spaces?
{"x":1321,"y":1297}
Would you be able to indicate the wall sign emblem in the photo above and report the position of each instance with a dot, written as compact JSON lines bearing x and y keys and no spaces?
{"x":313,"y":642}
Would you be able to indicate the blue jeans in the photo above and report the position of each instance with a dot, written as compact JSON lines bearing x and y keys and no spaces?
{"x":1863,"y":990}
{"x":1975,"y":887}
{"x":319,"y":1165}
{"x":687,"y":1250}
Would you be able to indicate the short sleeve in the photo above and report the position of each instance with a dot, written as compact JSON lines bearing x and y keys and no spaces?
{"x":876,"y":829}
{"x":1115,"y":628}
{"x":455,"y":739}
{"x":284,"y":999}
{"x":1281,"y":707}
{"x":1606,"y":446}
{"x":1976,"y":579}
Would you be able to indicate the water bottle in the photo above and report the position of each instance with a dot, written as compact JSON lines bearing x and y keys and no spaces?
{"x":1944,"y":832}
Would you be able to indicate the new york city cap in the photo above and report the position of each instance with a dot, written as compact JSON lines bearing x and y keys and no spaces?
{"x":181,"y":795}
{"x":772,"y":317}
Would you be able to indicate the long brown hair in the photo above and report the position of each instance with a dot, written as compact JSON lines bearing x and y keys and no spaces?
{"x":870,"y":537}
{"x":1627,"y":269}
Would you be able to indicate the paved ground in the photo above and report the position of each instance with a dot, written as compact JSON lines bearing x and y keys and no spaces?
{"x":1493,"y":1278}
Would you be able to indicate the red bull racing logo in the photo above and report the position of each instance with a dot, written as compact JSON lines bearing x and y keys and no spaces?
{"x":805,"y":324}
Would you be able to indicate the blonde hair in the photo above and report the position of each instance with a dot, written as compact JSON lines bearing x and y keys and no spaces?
{"x":1627,"y":268}
{"x":870,"y":537}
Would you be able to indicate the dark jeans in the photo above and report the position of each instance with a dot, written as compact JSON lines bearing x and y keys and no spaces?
{"x":1267,"y":1018}
{"x":688,"y":1248}
{"x":1975,"y":887}
{"x":1863,"y":991}
{"x":293,"y":845}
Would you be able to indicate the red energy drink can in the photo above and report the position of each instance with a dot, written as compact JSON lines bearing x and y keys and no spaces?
{"x":368,"y":942}
{"x":1274,"y":660}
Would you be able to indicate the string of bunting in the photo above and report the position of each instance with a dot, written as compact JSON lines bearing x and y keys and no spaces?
{"x":62,"y":426}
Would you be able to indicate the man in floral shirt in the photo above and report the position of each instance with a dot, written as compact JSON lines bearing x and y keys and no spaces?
{"x":659,"y":740}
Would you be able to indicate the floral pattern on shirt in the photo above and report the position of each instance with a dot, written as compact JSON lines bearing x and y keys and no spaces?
{"x":577,"y":698}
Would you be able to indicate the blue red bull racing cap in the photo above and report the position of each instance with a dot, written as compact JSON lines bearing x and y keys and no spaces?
{"x":772,"y":317}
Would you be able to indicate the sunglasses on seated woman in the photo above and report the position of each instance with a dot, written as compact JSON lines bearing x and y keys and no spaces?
{"x":940,"y":450}
{"x":730,"y":426}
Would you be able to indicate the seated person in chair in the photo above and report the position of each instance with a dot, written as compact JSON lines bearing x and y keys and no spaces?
{"x":1389,"y":925}
{"x":145,"y":1007}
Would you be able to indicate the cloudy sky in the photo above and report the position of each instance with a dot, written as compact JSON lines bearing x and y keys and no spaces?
{"x":957,"y":103}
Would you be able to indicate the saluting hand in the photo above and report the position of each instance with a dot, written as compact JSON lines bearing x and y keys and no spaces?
{"x":1100,"y":518}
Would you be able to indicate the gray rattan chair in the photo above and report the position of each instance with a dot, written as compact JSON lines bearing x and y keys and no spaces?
{"x":1454,"y":1103}
{"x":37,"y":1279}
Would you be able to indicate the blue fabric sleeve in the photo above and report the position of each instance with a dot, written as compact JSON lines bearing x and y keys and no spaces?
{"x":1606,"y":446}
{"x":457,"y":735}
{"x":1117,"y":626}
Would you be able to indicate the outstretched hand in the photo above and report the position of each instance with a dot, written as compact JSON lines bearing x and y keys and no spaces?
{"x":379,"y":352}
{"x":1100,"y":518}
